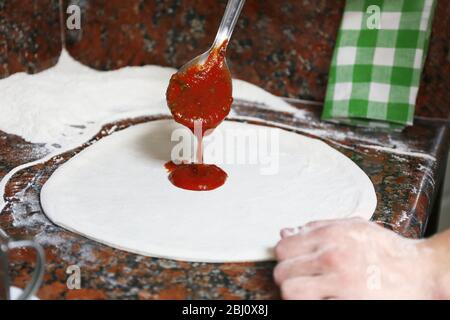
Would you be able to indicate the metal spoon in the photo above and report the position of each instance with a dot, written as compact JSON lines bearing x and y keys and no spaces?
{"x":226,"y":28}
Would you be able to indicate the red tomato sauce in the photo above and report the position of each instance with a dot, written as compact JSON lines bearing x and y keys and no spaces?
{"x":201,"y":94}
{"x":196,"y":176}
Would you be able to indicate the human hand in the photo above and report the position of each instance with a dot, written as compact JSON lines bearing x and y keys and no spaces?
{"x":354,"y":259}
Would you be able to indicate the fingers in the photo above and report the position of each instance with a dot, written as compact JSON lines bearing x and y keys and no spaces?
{"x":308,"y":265}
{"x":310,"y":288}
{"x":288,"y":232}
{"x":314,"y":260}
{"x":294,"y":246}
{"x":311,"y":237}
{"x":319,"y":239}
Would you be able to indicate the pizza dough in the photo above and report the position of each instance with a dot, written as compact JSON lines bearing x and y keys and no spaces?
{"x":117,"y":192}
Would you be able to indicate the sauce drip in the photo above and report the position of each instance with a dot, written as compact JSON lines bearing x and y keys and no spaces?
{"x":201,"y":94}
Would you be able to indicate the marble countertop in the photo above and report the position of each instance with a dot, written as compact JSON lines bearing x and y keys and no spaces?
{"x":406,"y":169}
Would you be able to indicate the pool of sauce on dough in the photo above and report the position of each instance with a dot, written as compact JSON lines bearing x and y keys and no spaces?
{"x":201,"y":93}
{"x":196,"y":176}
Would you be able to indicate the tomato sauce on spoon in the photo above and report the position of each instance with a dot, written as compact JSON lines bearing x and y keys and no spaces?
{"x":200,"y":95}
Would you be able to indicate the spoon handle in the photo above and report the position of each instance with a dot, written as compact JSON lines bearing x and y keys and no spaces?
{"x":229,"y":20}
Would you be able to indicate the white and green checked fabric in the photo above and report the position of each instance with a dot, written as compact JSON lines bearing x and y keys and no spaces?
{"x":375,"y":73}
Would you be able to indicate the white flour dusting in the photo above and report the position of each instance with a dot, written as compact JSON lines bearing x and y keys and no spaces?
{"x":400,"y":151}
{"x":66,"y":103}
{"x":396,"y":146}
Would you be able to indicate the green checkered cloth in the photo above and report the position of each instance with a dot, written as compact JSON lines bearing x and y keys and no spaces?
{"x":377,"y":63}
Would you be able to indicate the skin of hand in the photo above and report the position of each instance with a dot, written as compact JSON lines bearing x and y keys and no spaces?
{"x":357,"y":259}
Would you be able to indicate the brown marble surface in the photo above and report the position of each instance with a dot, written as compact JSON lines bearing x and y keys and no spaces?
{"x":406,"y":173}
{"x":283,"y":46}
{"x":30,"y":35}
{"x":434,"y":93}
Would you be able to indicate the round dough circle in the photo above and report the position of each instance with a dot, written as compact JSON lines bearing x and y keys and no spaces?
{"x":117,"y":192}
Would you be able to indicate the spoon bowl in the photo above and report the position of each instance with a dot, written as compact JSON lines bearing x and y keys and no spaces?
{"x":200,"y":93}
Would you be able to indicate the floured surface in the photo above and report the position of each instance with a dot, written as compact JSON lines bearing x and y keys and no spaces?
{"x":117,"y":192}
{"x":68,"y":103}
